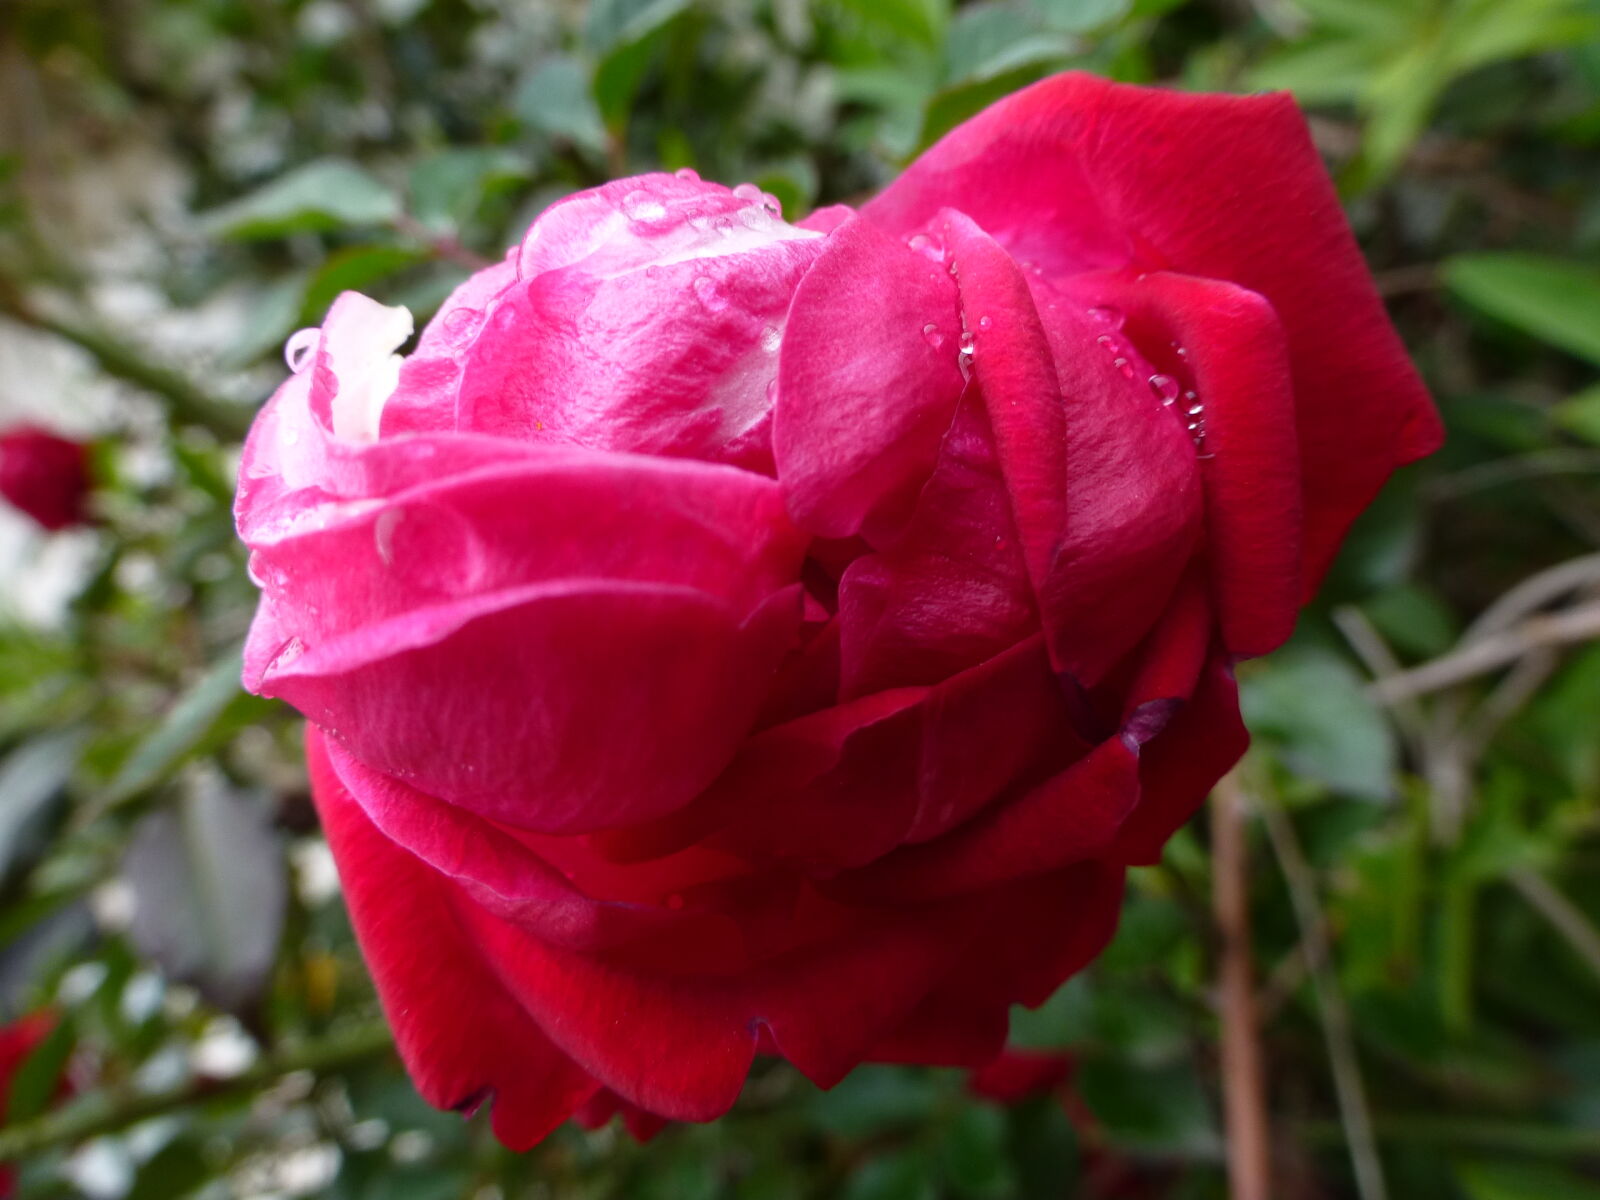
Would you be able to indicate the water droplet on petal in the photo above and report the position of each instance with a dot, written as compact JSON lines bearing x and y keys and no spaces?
{"x":931,"y":335}
{"x":1165,"y":387}
{"x":772,"y":391}
{"x":771,"y":339}
{"x":383,"y":533}
{"x":1124,"y":366}
{"x":984,"y":322}
{"x":707,"y":292}
{"x":688,"y":173}
{"x":462,"y":323}
{"x":747,"y":191}
{"x":1196,"y":410}
{"x":1108,"y":343}
{"x":1104,"y":315}
{"x":297,"y":351}
{"x":964,"y":357}
{"x":928,"y":246}
{"x":642,"y":207}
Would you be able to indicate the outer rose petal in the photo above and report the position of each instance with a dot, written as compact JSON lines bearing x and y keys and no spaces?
{"x":1076,"y":173}
{"x":1235,"y":366}
{"x":647,"y":317}
{"x":462,"y":1037}
{"x":867,"y":381}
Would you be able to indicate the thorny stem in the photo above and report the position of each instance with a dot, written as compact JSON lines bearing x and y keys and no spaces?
{"x":107,"y":1111}
{"x":1243,"y":1085}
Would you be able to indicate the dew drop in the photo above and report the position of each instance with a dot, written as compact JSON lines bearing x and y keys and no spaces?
{"x":964,"y":358}
{"x":747,"y":191}
{"x":931,"y":335}
{"x":383,"y":533}
{"x":1124,"y":366}
{"x":298,"y":349}
{"x":642,"y":207}
{"x":928,"y":246}
{"x":984,"y":323}
{"x":1165,"y":387}
{"x":462,"y":323}
{"x":688,"y":173}
{"x":1108,"y":343}
{"x":772,"y":391}
{"x":1196,"y":410}
{"x":1104,"y":315}
{"x":771,"y":339}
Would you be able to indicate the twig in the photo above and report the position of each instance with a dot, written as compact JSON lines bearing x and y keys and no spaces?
{"x":187,"y":402}
{"x":1336,"y":1033}
{"x":1243,"y":1085}
{"x":1499,"y":471}
{"x":109,"y":1110}
{"x":1578,"y":624}
{"x":1514,"y":1137}
{"x":1562,"y":913}
{"x":1533,"y":593}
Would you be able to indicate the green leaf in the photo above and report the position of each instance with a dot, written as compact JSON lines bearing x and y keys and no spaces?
{"x":327,"y":194}
{"x":38,"y":1079}
{"x":447,"y":188}
{"x":355,"y":268}
{"x":613,"y":24}
{"x":185,"y":726}
{"x":274,"y":314}
{"x":1315,"y":708}
{"x":554,"y":98}
{"x":1523,"y":1181}
{"x":1081,"y":16}
{"x":31,"y":777}
{"x":872,"y":1099}
{"x":1551,"y":299}
{"x":209,"y":886}
{"x":902,"y":1176}
{"x":973,"y":1153}
{"x":1581,"y":414}
{"x":920,"y":21}
{"x":988,"y":40}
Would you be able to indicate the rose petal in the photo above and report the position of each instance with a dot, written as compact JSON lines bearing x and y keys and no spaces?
{"x":1076,"y":173}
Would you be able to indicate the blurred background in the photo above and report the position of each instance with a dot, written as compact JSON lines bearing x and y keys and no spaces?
{"x":183,"y":1011}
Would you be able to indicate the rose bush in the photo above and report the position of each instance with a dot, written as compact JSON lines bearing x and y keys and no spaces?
{"x":723,"y":636}
{"x":44,"y":476}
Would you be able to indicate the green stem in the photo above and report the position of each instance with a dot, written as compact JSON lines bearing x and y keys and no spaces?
{"x":1470,"y":1133}
{"x":187,"y":402}
{"x":109,"y":1110}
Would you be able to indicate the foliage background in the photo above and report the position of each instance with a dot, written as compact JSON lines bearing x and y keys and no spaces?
{"x":185,"y":182}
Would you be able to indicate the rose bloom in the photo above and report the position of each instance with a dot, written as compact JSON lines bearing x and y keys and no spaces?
{"x":726,"y":637}
{"x":44,"y":476}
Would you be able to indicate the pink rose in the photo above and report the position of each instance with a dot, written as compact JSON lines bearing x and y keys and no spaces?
{"x":44,"y":476}
{"x":723,"y":636}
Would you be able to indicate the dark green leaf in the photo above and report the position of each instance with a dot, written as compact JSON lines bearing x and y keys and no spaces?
{"x":327,"y":194}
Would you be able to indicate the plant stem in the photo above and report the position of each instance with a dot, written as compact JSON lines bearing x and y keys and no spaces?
{"x":187,"y":402}
{"x":1335,"y":1015}
{"x":106,"y":1111}
{"x":1243,"y":1085}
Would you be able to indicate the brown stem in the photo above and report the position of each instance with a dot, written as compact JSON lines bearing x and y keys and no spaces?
{"x":1243,"y":1085}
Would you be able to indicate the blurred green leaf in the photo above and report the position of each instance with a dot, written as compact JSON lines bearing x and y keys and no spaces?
{"x":1552,"y":299}
{"x":903,"y":1176}
{"x":185,"y":726}
{"x":327,"y":194}
{"x":1523,"y":1181}
{"x":354,"y":269}
{"x":973,"y":1154}
{"x":38,"y":1080}
{"x":1581,"y":414}
{"x":448,"y":187}
{"x":555,"y":99}
{"x":1316,"y":709}
{"x":32,"y":776}
{"x":209,"y":886}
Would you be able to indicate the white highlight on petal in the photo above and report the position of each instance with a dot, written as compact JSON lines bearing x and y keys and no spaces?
{"x":362,"y":336}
